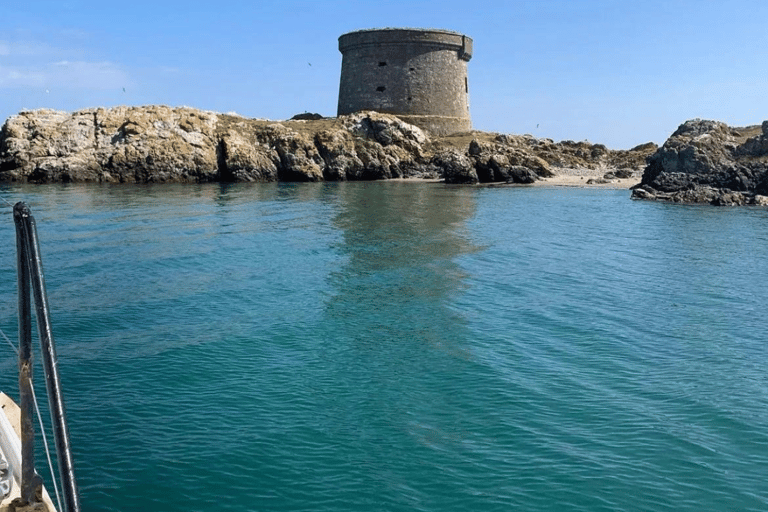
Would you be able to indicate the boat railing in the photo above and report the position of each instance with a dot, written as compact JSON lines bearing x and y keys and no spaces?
{"x":31,"y":284}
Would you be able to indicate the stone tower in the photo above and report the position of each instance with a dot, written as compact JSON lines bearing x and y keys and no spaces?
{"x":419,"y":75}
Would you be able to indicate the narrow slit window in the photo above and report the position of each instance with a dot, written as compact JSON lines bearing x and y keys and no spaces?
{"x":466,"y":85}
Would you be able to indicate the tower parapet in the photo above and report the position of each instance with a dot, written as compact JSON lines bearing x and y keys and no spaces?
{"x":419,"y":75}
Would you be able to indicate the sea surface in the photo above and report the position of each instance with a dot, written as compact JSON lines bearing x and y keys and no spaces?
{"x":394,"y":346}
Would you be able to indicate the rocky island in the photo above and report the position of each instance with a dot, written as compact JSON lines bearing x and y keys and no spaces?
{"x":702,"y":162}
{"x":160,"y":144}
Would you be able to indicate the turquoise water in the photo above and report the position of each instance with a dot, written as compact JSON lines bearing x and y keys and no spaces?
{"x":403,"y":346}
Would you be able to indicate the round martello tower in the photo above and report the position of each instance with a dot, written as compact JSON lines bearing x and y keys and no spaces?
{"x":419,"y":75}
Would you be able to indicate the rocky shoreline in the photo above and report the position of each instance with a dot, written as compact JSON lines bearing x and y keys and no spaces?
{"x":702,"y":162}
{"x":159,"y":144}
{"x":709,"y":162}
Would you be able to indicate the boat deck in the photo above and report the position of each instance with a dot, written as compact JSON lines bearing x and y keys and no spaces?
{"x":12,"y":415}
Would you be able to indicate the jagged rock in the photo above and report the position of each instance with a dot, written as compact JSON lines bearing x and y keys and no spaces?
{"x":241,"y":161}
{"x":648,"y":146}
{"x":299,"y":158}
{"x":339,"y":162}
{"x":385,"y":129}
{"x":519,"y":174}
{"x":457,"y":168}
{"x":642,"y":192}
{"x":167,"y":144}
{"x":115,"y":145}
{"x":505,"y":161}
{"x":158,"y":143}
{"x":708,"y":162}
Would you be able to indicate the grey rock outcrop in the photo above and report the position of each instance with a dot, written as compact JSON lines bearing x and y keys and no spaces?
{"x":166,"y":144}
{"x":115,"y":145}
{"x":709,"y":162}
{"x":457,"y":167}
{"x":499,"y":162}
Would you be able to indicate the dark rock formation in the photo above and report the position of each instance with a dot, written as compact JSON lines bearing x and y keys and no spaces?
{"x":164,"y":144}
{"x":457,"y":167}
{"x":709,"y":162}
{"x":306,"y":116}
{"x":501,"y":162}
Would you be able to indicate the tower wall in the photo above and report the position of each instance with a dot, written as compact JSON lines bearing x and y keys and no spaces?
{"x":418,"y":75}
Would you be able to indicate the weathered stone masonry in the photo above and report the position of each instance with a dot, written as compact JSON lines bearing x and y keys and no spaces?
{"x":418,"y":75}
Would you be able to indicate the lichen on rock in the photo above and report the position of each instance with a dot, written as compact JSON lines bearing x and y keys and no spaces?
{"x":181,"y":144}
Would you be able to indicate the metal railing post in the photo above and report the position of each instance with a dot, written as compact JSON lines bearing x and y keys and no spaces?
{"x":50,"y":362}
{"x":29,"y":480}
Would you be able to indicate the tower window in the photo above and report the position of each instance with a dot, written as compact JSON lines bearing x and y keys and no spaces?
{"x":466,"y":85}
{"x":382,"y":63}
{"x":381,"y":88}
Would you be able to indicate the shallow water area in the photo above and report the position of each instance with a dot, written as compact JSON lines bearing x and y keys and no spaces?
{"x":402,"y":346}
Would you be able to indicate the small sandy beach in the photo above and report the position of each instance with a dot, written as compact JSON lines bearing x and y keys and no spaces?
{"x":579,"y":177}
{"x":563,"y":178}
{"x":568,"y":180}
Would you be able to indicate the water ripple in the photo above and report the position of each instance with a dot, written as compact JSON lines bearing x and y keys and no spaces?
{"x":396,"y":346}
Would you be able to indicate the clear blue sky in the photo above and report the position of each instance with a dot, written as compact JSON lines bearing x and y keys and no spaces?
{"x":616,"y":72}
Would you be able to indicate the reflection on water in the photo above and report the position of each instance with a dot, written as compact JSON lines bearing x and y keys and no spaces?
{"x":400,"y":272}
